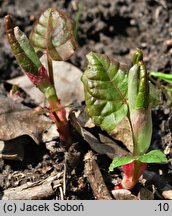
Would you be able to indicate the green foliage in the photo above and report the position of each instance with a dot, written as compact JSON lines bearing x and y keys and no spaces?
{"x":119,"y":161}
{"x":53,"y":34}
{"x":111,"y":93}
{"x":133,"y":85}
{"x":138,"y":85}
{"x":154,"y":156}
{"x":111,"y":90}
{"x":21,"y":48}
{"x":105,"y":85}
{"x":26,"y":56}
{"x":142,"y":99}
{"x":165,"y":77}
{"x":27,"y":48}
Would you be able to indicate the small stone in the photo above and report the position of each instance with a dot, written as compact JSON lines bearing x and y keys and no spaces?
{"x":123,"y":194}
{"x":167,"y":194}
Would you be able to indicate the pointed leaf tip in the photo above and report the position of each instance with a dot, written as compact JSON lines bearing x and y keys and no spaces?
{"x":138,"y":56}
{"x":8,"y":22}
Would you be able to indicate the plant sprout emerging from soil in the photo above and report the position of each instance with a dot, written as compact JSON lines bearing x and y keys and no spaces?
{"x":51,"y":35}
{"x":112,"y":93}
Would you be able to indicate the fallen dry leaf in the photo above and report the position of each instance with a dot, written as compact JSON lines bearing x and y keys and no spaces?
{"x":13,"y":149}
{"x":101,"y":143}
{"x":145,"y":194}
{"x":17,"y":120}
{"x":50,"y":134}
{"x":24,"y":83}
{"x":122,"y":132}
{"x":19,"y":126}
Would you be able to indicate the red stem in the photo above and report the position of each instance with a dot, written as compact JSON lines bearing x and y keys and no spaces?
{"x":132,"y":173}
{"x":61,"y":122}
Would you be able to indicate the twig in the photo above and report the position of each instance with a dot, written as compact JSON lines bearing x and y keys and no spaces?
{"x":94,"y":176}
{"x":61,"y":193}
{"x":33,"y":191}
{"x":64,"y":179}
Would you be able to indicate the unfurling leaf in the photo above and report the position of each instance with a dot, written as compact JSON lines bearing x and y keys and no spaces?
{"x":26,"y":56}
{"x":105,"y":85}
{"x":138,"y":84}
{"x":139,"y":105}
{"x":53,"y":35}
{"x":25,"y":61}
{"x":26,"y":47}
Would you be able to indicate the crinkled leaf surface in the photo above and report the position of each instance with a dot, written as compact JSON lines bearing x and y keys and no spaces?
{"x":53,"y":34}
{"x":105,"y":86}
{"x":154,"y":156}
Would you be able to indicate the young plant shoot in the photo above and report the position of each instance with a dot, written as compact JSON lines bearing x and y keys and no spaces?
{"x":113,"y":92}
{"x":52,"y":35}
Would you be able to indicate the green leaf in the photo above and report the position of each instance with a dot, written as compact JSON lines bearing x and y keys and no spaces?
{"x":27,"y":58}
{"x":133,"y":85}
{"x":154,"y":156}
{"x":138,"y":84}
{"x":105,"y":86}
{"x":142,"y":100}
{"x":163,"y":76}
{"x":119,"y":161}
{"x":53,"y":34}
{"x":26,"y":47}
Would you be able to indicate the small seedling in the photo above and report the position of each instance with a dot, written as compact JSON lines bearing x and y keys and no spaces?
{"x":113,"y":92}
{"x":51,"y":35}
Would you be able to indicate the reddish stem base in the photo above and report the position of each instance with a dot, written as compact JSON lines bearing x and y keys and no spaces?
{"x":132,"y":173}
{"x":65,"y":135}
{"x":59,"y":117}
